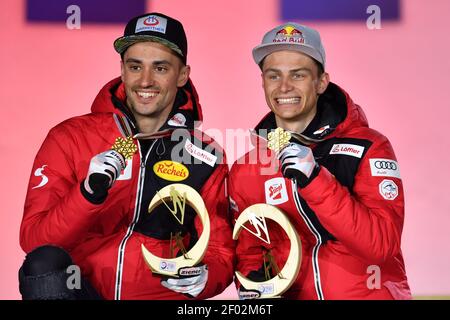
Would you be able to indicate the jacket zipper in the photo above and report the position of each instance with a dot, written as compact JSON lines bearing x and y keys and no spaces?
{"x":121,"y":252}
{"x":315,"y":253}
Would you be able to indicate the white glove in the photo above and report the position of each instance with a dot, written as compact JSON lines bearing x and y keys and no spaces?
{"x":297,"y":162}
{"x":190,"y":285}
{"x":103,"y":171}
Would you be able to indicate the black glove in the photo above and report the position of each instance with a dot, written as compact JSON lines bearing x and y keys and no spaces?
{"x":103,"y":171}
{"x":297,"y":162}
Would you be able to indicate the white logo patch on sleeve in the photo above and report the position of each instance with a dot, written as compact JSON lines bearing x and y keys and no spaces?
{"x":38,"y":173}
{"x":347,"y":149}
{"x":384,"y":168}
{"x":276,"y":192}
{"x":200,"y":154}
{"x":388,"y":189}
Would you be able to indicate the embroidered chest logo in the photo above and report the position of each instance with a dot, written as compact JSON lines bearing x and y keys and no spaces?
{"x":200,"y":154}
{"x":352,"y":150}
{"x":275,"y":190}
{"x":171,"y":170}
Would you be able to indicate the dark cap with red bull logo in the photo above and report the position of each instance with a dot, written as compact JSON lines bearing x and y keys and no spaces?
{"x":291,"y":36}
{"x":154,"y":27}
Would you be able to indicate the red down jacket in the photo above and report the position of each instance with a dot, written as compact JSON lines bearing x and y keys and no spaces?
{"x":349,"y":218}
{"x":105,"y":240}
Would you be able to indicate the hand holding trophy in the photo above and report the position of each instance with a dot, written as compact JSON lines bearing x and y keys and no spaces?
{"x":185,"y":276}
{"x":179,"y":194}
{"x":256,"y":215}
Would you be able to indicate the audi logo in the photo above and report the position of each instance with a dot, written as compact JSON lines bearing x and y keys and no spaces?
{"x":385,"y":165}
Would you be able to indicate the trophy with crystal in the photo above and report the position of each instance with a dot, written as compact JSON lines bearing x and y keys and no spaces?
{"x":256,"y":215}
{"x":276,"y":286}
{"x":179,"y":194}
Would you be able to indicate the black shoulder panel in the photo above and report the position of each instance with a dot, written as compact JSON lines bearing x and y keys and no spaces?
{"x":181,"y":157}
{"x":342,"y":156}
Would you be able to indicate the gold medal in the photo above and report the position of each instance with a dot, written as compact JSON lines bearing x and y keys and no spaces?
{"x":126,"y":147}
{"x":278,"y":139}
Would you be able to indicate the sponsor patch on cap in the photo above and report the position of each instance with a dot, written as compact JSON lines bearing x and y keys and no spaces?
{"x":276,"y":192}
{"x":388,"y":189}
{"x":347,"y":149}
{"x":384,"y":168}
{"x":289,"y":34}
{"x":200,"y":154}
{"x":171,"y":170}
{"x":151,"y":23}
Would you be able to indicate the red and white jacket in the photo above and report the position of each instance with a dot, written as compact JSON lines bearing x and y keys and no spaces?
{"x":349,"y":217}
{"x":105,"y":240}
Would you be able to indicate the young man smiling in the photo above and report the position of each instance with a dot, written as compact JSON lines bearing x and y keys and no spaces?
{"x":337,"y":180}
{"x":92,"y":210}
{"x":152,"y":75}
{"x":292,"y":83}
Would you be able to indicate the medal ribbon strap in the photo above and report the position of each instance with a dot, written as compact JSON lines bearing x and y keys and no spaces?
{"x":123,"y":126}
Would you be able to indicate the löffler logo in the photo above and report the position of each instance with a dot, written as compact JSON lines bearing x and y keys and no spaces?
{"x":348,"y":149}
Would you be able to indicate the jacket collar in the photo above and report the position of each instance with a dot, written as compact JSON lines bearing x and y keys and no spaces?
{"x":186,"y":111}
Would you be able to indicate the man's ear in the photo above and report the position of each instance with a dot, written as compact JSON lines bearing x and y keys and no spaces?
{"x":183,"y":77}
{"x":122,"y":70}
{"x":324,"y":80}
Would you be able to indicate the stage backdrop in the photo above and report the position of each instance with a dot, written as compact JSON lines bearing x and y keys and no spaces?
{"x":398,"y":74}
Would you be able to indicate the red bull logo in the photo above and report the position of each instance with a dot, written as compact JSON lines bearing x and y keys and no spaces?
{"x":289,"y":34}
